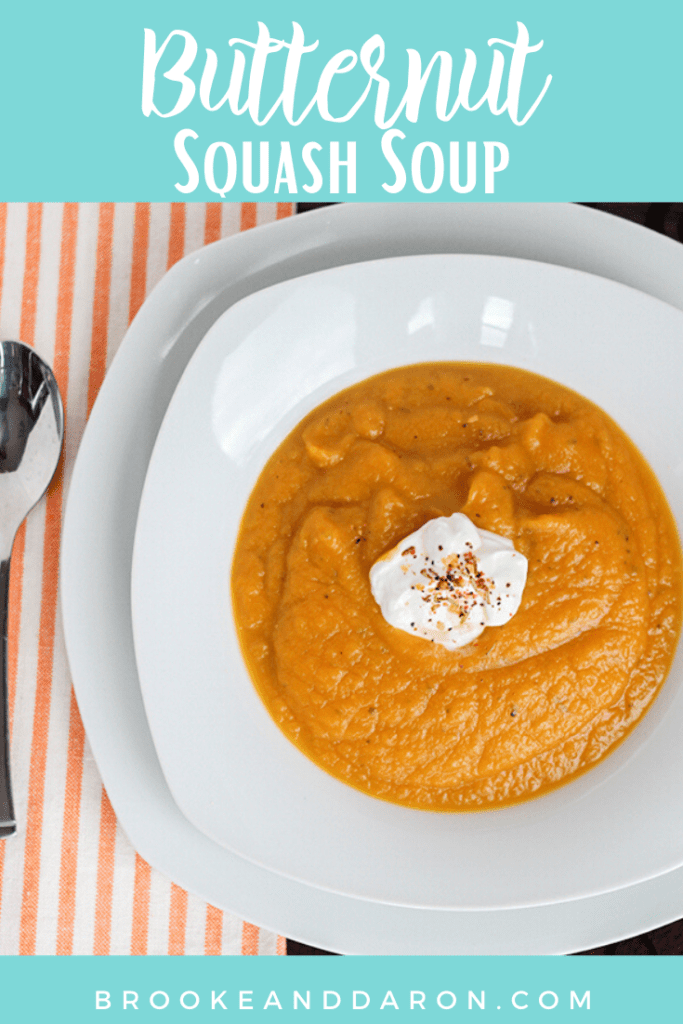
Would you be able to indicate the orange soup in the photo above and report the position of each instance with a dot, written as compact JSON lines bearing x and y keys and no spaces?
{"x":529,"y":704}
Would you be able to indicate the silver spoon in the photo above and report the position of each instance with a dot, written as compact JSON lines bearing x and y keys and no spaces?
{"x":31,"y":432}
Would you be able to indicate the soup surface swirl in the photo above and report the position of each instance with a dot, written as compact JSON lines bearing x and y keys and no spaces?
{"x":529,"y":704}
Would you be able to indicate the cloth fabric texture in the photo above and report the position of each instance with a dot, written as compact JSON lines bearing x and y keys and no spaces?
{"x":72,"y":277}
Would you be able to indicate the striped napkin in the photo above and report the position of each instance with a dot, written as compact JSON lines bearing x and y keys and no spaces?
{"x":72,"y":277}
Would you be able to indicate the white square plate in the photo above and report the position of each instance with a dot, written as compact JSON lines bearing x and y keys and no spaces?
{"x":264,"y":364}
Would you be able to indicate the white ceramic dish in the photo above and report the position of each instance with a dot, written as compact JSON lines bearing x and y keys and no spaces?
{"x":267,"y":362}
{"x":98,"y":540}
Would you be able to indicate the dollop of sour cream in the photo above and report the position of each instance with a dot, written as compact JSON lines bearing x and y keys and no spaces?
{"x":448,"y":581}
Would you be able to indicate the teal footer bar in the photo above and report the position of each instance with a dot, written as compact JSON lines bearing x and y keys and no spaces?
{"x":85,"y":989}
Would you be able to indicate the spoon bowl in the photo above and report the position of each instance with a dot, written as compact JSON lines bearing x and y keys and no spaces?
{"x":31,"y":434}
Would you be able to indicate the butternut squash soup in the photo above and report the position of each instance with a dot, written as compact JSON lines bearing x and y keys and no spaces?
{"x":528,"y":704}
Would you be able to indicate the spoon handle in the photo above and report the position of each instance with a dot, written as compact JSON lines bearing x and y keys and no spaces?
{"x":7,"y":823}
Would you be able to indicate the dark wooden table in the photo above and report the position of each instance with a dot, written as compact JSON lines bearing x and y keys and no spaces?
{"x":666,"y":218}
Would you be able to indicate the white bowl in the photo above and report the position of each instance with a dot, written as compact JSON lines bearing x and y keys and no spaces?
{"x":269,"y":360}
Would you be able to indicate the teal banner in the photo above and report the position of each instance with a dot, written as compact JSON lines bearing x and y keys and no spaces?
{"x":302,"y":101}
{"x":599,"y":990}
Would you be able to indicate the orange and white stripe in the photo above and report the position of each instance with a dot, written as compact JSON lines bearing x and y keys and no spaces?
{"x":72,"y":276}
